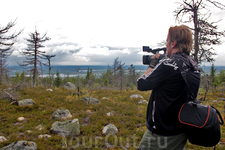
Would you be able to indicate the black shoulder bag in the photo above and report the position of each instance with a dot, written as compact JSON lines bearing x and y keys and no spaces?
{"x":201,"y":123}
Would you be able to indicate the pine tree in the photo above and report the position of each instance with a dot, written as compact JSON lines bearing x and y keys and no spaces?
{"x":58,"y":79}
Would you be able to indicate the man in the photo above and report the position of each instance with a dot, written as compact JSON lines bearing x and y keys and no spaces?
{"x":169,"y":92}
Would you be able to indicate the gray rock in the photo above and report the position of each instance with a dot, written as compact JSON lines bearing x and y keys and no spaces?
{"x":109,"y":129}
{"x":61,"y":114}
{"x":214,"y":101}
{"x":26,"y":102}
{"x":90,"y":100}
{"x":69,"y":86}
{"x":136,"y":96}
{"x":2,"y":139}
{"x":222,"y":99}
{"x":21,"y":145}
{"x":66,"y":128}
{"x":142,"y":102}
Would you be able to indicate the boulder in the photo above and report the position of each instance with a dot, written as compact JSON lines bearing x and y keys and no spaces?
{"x":109,"y":129}
{"x":90,"y":100}
{"x":66,"y":128}
{"x":136,"y":96}
{"x":2,"y":139}
{"x":142,"y":102}
{"x":69,"y":86}
{"x":61,"y":114}
{"x":21,"y":145}
{"x":26,"y":102}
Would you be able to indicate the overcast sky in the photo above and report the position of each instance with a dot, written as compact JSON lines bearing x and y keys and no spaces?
{"x":95,"y":32}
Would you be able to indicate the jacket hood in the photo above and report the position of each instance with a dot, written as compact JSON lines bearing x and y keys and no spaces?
{"x":187,"y":60}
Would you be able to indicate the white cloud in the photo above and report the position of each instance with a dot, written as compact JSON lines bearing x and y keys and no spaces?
{"x":94,"y":31}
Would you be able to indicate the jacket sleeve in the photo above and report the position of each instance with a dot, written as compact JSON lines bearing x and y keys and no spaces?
{"x":153,"y":79}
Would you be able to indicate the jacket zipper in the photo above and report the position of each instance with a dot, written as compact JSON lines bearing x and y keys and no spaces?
{"x":153,"y":114}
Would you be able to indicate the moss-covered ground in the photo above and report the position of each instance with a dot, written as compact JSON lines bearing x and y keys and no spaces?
{"x":127,"y":116}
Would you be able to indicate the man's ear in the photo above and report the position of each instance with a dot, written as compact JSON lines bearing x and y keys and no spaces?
{"x":173,"y":44}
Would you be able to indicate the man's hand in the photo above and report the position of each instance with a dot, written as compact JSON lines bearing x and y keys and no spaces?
{"x":153,"y":63}
{"x":154,"y":60}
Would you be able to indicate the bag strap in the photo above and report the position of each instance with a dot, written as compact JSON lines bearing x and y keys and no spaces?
{"x":220,"y":116}
{"x":183,"y":72}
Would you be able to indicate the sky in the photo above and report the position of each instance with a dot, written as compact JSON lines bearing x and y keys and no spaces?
{"x":95,"y":32}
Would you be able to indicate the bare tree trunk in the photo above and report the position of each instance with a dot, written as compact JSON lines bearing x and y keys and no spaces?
{"x":35,"y":65}
{"x":196,"y":33}
{"x":207,"y":89}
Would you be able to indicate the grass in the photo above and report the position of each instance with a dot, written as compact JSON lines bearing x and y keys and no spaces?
{"x":128,"y":117}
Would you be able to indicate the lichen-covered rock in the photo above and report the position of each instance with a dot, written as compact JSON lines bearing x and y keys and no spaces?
{"x":109,"y":129}
{"x":26,"y":102}
{"x":136,"y":96}
{"x":66,"y":128}
{"x":21,"y":145}
{"x":69,"y":86}
{"x":61,"y":114}
{"x":90,"y":100}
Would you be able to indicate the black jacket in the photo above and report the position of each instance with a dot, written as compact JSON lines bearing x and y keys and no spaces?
{"x":169,"y":92}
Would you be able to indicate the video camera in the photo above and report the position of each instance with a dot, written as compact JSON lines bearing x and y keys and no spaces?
{"x":147,"y":58}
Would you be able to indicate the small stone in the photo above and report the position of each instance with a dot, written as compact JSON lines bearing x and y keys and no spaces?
{"x":214,"y":101}
{"x":39,"y":127}
{"x":21,"y":119}
{"x":49,"y":90}
{"x":3,"y":139}
{"x":29,"y":131}
{"x":142,"y":102}
{"x":136,"y":96}
{"x":46,"y":136}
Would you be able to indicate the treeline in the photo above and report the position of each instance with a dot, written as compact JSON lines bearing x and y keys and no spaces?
{"x":117,"y":76}
{"x":213,"y":81}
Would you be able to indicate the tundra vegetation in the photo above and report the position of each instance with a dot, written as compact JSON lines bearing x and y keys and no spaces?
{"x":115,"y":107}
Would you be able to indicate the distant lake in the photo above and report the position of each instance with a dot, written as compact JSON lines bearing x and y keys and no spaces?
{"x":97,"y":70}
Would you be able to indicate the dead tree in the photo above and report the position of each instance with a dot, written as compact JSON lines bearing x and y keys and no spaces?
{"x":205,"y":33}
{"x":7,"y":40}
{"x":48,"y":57}
{"x":34,"y":57}
{"x":12,"y":98}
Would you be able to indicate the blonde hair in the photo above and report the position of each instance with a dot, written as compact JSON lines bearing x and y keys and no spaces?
{"x":183,"y":37}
